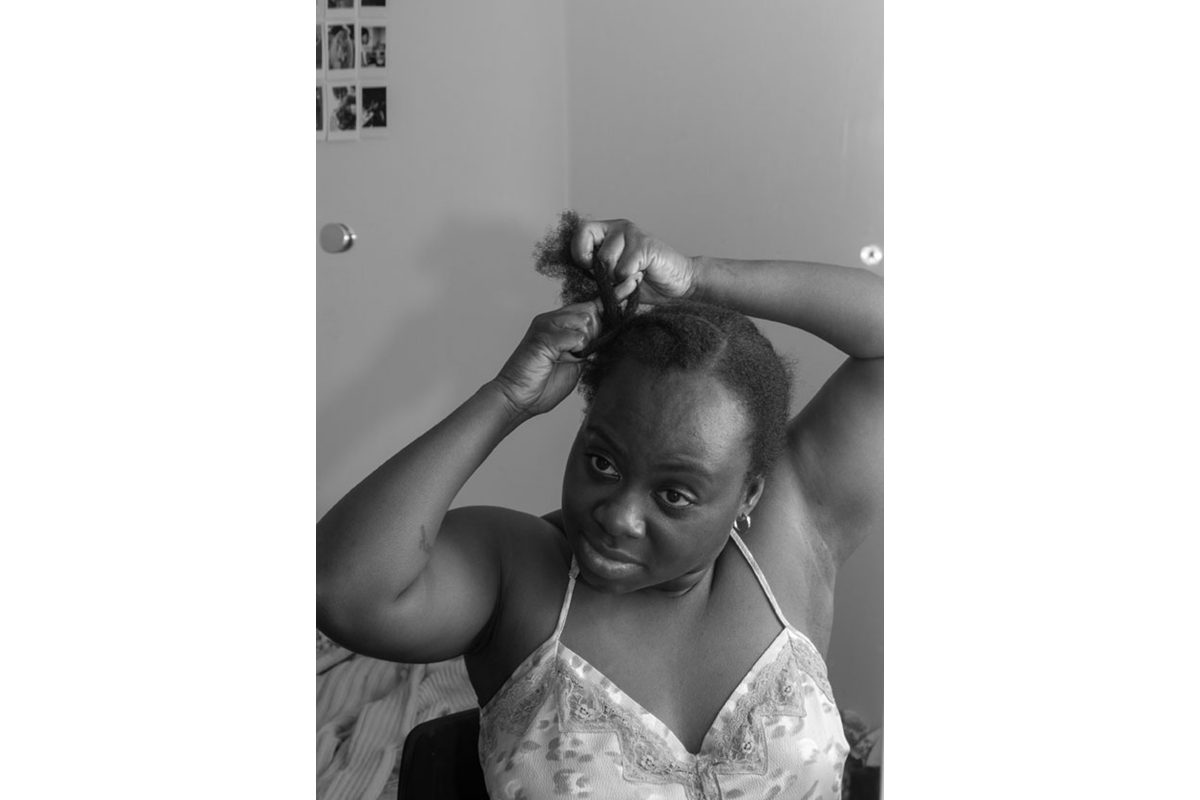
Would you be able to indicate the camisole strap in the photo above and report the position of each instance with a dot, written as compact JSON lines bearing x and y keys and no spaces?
{"x":762,"y":579}
{"x":566,"y":605}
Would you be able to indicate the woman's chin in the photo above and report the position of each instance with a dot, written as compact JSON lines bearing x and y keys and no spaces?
{"x":602,"y":568}
{"x":601,"y":585}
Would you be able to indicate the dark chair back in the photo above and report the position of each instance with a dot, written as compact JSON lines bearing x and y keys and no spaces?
{"x":441,"y":760}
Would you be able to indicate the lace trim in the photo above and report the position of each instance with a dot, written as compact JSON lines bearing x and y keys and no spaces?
{"x":514,"y":707}
{"x":739,"y":744}
{"x":811,"y":663}
{"x":775,"y":691}
{"x":645,"y":757}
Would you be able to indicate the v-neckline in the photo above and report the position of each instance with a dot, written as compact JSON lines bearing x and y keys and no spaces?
{"x":624,"y":698}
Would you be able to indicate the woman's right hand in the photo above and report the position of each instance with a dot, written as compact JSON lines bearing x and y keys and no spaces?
{"x":543,"y":369}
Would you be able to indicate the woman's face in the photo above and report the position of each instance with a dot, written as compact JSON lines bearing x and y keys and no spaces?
{"x":655,"y":479}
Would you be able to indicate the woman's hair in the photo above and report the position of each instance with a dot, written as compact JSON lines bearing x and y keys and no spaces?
{"x":681,"y":335}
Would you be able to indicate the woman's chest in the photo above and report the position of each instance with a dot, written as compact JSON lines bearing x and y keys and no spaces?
{"x":566,"y":719}
{"x":681,"y":666}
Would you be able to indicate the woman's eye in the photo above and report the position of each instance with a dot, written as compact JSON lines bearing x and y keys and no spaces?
{"x":603,"y":466}
{"x":676,"y":499}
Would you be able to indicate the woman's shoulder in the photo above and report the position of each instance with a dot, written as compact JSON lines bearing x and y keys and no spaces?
{"x":834,"y":453}
{"x":535,"y":561}
{"x":509,"y":522}
{"x":524,"y":545}
{"x":555,"y":519}
{"x":792,"y":550}
{"x":546,"y":543}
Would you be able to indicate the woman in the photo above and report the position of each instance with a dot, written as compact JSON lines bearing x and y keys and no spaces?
{"x":663,"y":633}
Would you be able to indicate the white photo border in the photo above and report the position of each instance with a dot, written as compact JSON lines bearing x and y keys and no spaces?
{"x":340,"y":13}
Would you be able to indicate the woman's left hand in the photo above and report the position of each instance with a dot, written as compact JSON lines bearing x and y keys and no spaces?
{"x":624,"y":249}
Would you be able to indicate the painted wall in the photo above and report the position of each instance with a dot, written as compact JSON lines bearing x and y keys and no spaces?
{"x":750,"y":130}
{"x":439,"y":287}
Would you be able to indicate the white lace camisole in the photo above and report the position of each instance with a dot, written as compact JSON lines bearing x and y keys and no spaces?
{"x":559,"y":728}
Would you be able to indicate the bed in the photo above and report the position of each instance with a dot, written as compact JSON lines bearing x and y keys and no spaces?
{"x":365,"y":709}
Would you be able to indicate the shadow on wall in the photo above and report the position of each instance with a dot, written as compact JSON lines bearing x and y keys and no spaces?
{"x":479,"y":292}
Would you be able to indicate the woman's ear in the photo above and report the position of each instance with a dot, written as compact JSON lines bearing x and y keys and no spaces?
{"x":753,"y":493}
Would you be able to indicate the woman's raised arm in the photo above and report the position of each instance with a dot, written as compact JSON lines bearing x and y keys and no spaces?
{"x":842,"y":305}
{"x":835,"y":444}
{"x":376,"y":544}
{"x":398,"y":575}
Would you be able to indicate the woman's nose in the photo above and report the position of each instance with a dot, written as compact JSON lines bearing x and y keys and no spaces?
{"x":620,"y":516}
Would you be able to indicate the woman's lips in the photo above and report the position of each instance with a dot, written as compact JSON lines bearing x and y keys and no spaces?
{"x":616,"y":565}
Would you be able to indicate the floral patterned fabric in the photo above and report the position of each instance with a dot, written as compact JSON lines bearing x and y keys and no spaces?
{"x":560,"y":728}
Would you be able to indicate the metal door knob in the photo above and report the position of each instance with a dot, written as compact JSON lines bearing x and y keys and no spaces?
{"x":337,"y":237}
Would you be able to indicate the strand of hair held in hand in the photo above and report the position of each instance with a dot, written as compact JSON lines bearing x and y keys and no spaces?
{"x":552,"y":258}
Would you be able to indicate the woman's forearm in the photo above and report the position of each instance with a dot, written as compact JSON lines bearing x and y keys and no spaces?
{"x":377,"y":539}
{"x":842,"y":305}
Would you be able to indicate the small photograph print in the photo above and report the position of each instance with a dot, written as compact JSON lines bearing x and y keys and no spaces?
{"x":372,"y":8}
{"x":320,"y":49}
{"x":339,"y":40}
{"x":320,"y":113}
{"x":372,"y":48}
{"x":339,"y":9}
{"x":343,"y":111}
{"x":374,"y":111}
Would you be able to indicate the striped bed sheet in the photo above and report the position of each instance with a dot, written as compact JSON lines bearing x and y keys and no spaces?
{"x":365,"y":709}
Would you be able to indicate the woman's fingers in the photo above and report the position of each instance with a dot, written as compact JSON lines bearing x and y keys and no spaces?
{"x":627,"y":287}
{"x":586,"y":313}
{"x":576,"y":325}
{"x":610,"y":250}
{"x":615,"y":243}
{"x":588,"y":237}
{"x":571,"y":328}
{"x":630,"y":263}
{"x":565,"y":342}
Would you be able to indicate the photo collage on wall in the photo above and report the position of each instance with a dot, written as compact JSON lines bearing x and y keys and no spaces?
{"x":352,"y":101}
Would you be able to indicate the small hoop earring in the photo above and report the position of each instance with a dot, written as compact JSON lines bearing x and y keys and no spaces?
{"x":744,"y":530}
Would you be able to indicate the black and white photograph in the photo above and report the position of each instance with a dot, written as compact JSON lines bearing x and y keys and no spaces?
{"x":372,"y":56}
{"x":374,"y":111}
{"x":343,"y":111}
{"x":340,"y":46}
{"x":600,"y":396}
{"x":559,"y":392}
{"x":320,"y":50}
{"x":320,"y":112}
